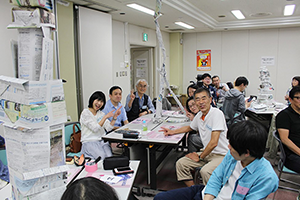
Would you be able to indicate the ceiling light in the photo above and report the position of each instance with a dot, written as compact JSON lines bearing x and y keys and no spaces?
{"x":141,"y":8}
{"x":238,"y":14}
{"x":184,"y":25}
{"x":289,"y":10}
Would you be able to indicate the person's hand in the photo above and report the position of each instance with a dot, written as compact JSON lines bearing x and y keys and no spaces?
{"x":110,"y":114}
{"x":117,"y":113}
{"x":143,"y":113}
{"x":132,"y":96}
{"x":190,"y":115}
{"x":286,"y":97}
{"x":194,"y":156}
{"x":166,"y":131}
{"x":225,"y":89}
{"x":247,"y":104}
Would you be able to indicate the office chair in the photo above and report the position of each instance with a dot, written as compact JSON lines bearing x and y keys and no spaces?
{"x":166,"y":105}
{"x":68,"y":132}
{"x":282,"y":168}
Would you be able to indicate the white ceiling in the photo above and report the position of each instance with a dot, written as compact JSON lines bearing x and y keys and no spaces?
{"x":202,"y":14}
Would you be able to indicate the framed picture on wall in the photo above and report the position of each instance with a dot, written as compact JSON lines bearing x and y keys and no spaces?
{"x":203,"y":60}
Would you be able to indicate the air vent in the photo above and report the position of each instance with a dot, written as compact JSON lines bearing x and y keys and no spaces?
{"x":176,"y":29}
{"x":260,"y":14}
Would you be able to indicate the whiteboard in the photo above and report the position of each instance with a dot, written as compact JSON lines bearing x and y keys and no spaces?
{"x":95,"y":52}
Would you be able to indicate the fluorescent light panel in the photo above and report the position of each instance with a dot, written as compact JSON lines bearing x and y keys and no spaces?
{"x":238,"y":14}
{"x":184,"y":25}
{"x":289,"y":10}
{"x":141,"y":8}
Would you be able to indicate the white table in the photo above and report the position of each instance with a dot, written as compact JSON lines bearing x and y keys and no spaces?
{"x":151,"y":140}
{"x":267,"y":118}
{"x":122,"y":191}
{"x":5,"y":193}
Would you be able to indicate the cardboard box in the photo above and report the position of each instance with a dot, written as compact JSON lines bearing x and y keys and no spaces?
{"x":25,"y":17}
{"x":17,"y":115}
{"x":30,"y":92}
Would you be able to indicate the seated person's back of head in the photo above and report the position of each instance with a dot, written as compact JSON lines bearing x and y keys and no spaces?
{"x":89,"y":188}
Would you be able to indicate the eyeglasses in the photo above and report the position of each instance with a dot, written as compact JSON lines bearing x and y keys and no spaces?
{"x":192,"y":105}
{"x":298,"y":98}
{"x":142,"y":86}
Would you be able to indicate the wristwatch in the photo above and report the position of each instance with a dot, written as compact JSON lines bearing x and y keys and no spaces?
{"x":200,"y":159}
{"x":114,"y":119}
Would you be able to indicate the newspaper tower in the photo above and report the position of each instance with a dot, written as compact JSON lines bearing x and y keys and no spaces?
{"x":265,"y":87}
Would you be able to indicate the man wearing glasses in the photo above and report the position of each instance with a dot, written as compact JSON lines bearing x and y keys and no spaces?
{"x":288,"y":127}
{"x":206,"y":79}
{"x":138,"y":103}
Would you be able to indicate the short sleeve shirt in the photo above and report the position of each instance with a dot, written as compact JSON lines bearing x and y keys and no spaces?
{"x":213,"y":121}
{"x":290,"y":120}
{"x":109,"y":107}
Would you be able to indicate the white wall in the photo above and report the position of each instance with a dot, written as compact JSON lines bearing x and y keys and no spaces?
{"x":119,"y":48}
{"x":6,"y":35}
{"x":95,"y":52}
{"x":136,"y":36}
{"x":237,"y":53}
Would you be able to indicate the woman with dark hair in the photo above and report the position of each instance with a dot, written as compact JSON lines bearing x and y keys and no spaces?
{"x":89,"y":188}
{"x":191,"y":89}
{"x":194,"y":140}
{"x":295,"y":82}
{"x":94,"y":123}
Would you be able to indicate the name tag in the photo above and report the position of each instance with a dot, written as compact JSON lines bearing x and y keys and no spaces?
{"x":242,"y":190}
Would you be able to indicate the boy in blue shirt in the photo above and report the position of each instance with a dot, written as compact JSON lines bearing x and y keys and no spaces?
{"x":243,"y":173}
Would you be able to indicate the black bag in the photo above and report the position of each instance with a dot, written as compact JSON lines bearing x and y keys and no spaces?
{"x":115,"y":161}
{"x":75,"y":143}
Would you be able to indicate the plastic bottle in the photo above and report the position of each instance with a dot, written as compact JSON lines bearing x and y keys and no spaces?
{"x":144,"y":127}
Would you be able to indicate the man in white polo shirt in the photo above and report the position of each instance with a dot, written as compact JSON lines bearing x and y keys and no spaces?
{"x":211,"y":125}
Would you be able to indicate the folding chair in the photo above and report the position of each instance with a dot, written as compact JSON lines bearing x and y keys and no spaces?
{"x":282,"y":168}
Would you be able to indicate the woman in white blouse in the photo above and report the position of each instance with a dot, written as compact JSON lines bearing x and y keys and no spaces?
{"x":94,"y":124}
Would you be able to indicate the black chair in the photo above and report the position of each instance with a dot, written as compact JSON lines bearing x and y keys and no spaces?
{"x":282,"y":168}
{"x":166,"y":105}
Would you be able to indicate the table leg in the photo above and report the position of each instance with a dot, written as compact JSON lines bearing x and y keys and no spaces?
{"x":151,"y":162}
{"x":126,"y":150}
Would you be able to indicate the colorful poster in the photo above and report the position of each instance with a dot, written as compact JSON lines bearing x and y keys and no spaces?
{"x":203,"y":60}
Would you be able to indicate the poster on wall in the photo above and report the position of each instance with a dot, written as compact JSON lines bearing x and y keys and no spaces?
{"x":141,"y":73}
{"x":141,"y":63}
{"x":203,"y":60}
{"x":267,"y":60}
